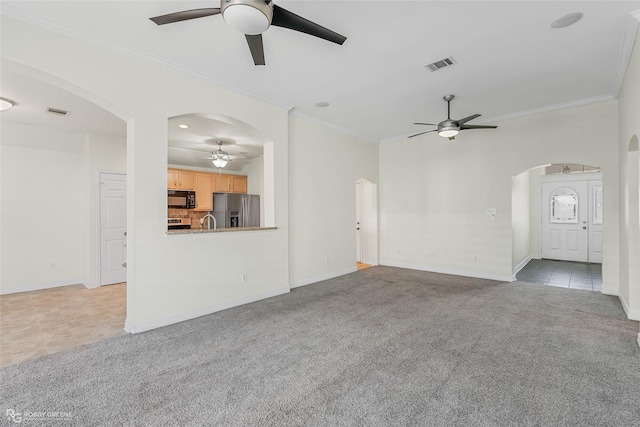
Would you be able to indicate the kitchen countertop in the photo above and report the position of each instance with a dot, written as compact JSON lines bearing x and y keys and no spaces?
{"x":218,"y":230}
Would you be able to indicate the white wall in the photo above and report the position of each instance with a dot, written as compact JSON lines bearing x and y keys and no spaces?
{"x":42,"y":207}
{"x":535,"y":248}
{"x":435,"y":192}
{"x":520,"y":213}
{"x":324,"y":164}
{"x":628,"y":127}
{"x":145,"y":95}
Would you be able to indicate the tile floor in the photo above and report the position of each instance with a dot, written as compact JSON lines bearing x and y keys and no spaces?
{"x":562,"y":274}
{"x":37,"y":323}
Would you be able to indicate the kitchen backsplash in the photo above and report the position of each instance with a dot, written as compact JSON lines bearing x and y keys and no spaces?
{"x":194,"y":217}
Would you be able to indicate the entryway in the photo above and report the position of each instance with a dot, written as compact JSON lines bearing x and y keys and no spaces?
{"x":572,"y":217}
{"x":562,"y":274}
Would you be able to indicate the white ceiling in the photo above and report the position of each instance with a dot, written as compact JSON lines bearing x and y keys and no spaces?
{"x":192,"y":146}
{"x":509,"y":61}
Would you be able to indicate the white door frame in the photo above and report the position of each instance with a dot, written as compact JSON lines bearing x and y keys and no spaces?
{"x":98,"y":243}
{"x":369,"y":221}
{"x":588,"y":176}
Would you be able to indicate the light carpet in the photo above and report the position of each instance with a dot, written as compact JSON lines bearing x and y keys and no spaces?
{"x":383,"y":346}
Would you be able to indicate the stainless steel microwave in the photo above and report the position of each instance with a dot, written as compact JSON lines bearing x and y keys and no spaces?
{"x":179,"y":199}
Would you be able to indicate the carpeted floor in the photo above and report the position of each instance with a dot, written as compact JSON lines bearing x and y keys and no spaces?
{"x":382,"y":346}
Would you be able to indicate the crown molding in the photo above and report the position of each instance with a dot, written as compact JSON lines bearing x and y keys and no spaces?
{"x":119,"y":48}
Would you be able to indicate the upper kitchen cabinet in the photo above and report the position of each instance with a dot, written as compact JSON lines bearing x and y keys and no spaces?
{"x":180,"y":180}
{"x":204,"y":192}
{"x":238,"y":184}
{"x":223,"y":183}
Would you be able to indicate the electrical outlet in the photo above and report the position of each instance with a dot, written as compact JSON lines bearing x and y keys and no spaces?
{"x":245,"y":277}
{"x":475,"y":258}
{"x":326,"y":260}
{"x":53,"y":266}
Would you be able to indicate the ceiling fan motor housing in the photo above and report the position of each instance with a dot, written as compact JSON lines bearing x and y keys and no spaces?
{"x":448,"y":128}
{"x":250,"y":17}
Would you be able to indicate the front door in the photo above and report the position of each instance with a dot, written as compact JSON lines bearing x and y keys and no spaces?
{"x":564,"y":221}
{"x":113,"y":228}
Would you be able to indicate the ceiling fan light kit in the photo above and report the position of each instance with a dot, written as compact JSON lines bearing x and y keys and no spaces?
{"x":450,"y":128}
{"x":250,"y":17}
{"x":220,"y":158}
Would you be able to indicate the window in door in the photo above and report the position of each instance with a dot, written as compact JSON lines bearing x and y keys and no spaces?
{"x":564,"y":206}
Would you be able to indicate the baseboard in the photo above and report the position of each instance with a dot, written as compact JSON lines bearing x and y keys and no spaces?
{"x":452,"y":271}
{"x":605,"y":291}
{"x":521,"y":266}
{"x":638,"y":340}
{"x":370,"y":262}
{"x":188,"y":315}
{"x":320,"y":278}
{"x":39,"y":286}
{"x":631,"y":314}
{"x":91,"y":285}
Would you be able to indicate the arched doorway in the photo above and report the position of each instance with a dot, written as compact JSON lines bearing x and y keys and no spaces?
{"x":557,"y":226}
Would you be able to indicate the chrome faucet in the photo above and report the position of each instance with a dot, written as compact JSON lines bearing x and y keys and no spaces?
{"x":211,"y":217}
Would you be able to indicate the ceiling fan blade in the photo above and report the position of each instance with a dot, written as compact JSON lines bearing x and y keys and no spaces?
{"x":477,"y":127}
{"x":256,"y":47}
{"x":285,"y":19}
{"x":426,"y":124}
{"x":466,"y":119}
{"x":422,"y":133}
{"x":185,"y":15}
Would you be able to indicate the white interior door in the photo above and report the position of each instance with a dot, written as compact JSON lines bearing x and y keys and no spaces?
{"x":113,"y":228}
{"x":565,"y":221}
{"x":595,"y":221}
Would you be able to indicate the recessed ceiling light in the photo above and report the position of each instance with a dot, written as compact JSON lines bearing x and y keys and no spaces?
{"x":566,"y":20}
{"x":5,"y":104}
{"x":322,"y":104}
{"x":183,"y":126}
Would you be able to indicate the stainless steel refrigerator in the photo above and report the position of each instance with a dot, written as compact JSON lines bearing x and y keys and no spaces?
{"x":236,"y":210}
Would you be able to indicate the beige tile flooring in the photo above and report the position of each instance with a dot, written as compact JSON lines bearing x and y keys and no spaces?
{"x":37,"y":323}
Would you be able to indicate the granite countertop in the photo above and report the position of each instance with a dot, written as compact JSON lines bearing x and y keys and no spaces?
{"x":218,"y":230}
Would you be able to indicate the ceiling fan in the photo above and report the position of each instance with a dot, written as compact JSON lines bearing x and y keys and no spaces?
{"x":219,"y":158}
{"x":253,"y":17}
{"x":450,"y":128}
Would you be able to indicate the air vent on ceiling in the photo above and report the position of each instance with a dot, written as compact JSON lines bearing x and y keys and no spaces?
{"x":58,"y":111}
{"x":435,"y":66}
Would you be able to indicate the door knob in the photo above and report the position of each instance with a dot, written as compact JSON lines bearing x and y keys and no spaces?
{"x":357,"y":228}
{"x":584,"y":227}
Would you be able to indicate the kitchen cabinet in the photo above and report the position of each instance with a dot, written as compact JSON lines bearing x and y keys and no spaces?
{"x":238,"y":184}
{"x":204,"y":192}
{"x":205,"y":183}
{"x":180,"y":180}
{"x":223,"y":183}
